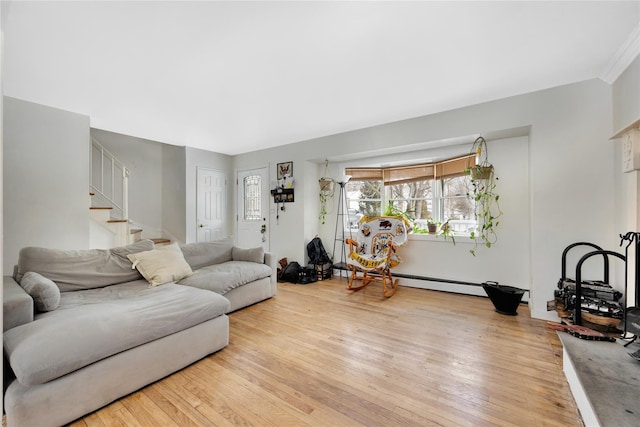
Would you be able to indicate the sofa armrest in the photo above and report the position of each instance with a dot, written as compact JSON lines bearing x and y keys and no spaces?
{"x":270,"y":260}
{"x":17,"y":305}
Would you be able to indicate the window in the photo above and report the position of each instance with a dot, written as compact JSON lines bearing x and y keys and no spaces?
{"x":455,"y":206}
{"x":363,"y":198}
{"x":252,"y":197}
{"x":413,"y":197}
{"x":435,"y":191}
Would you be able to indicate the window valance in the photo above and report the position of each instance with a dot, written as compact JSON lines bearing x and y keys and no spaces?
{"x":403,"y":174}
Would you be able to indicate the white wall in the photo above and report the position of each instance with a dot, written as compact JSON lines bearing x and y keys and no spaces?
{"x":144,"y":159}
{"x":173,"y":192}
{"x":431,"y":256}
{"x":626,"y":96}
{"x":45,"y":178}
{"x":100,"y":236}
{"x":571,"y":175}
{"x":162,"y":184}
{"x":195,"y":158}
{"x":571,"y":180}
{"x":289,"y":234}
{"x":626,"y":110}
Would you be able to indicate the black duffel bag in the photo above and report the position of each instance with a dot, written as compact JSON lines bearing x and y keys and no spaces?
{"x":291,"y":272}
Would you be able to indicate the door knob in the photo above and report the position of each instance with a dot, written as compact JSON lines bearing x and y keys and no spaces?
{"x":201,"y":225}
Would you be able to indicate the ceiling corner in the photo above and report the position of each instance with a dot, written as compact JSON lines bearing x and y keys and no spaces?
{"x":627,"y":52}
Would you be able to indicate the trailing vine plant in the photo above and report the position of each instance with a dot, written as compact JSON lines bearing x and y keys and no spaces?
{"x":482,"y":191}
{"x":447,"y":232}
{"x":324,"y":197}
{"x":326,"y":192}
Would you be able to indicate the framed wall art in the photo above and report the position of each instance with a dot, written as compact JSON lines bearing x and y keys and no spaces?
{"x":284,"y":169}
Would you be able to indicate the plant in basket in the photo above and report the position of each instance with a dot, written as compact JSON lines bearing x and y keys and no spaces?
{"x":482,"y":190}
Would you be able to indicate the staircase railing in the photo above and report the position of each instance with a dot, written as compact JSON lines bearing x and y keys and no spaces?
{"x":109,"y":178}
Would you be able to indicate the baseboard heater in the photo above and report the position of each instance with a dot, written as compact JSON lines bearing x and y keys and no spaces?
{"x":434,"y":279}
{"x":342,"y":266}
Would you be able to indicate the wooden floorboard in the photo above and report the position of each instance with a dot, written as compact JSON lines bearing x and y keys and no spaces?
{"x":318,"y":355}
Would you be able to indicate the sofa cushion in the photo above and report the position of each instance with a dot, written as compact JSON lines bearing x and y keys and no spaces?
{"x":45,"y":293}
{"x":161,"y":265}
{"x":201,"y":254}
{"x":251,"y":255}
{"x":74,"y":270}
{"x":94,"y":324}
{"x":17,"y":305}
{"x":221,"y":278}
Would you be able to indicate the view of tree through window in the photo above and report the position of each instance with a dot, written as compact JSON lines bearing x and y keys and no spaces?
{"x":457,"y":208}
{"x":415,"y":198}
{"x":441,"y":200}
{"x":365,"y":197}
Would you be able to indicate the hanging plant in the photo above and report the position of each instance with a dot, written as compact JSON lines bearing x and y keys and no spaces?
{"x":324,"y":197}
{"x":327,"y":186}
{"x":482,"y":191}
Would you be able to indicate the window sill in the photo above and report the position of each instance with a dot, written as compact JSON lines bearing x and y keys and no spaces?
{"x":460,"y":238}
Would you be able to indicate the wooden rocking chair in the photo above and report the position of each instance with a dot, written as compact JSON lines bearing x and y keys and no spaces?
{"x":373,"y":252}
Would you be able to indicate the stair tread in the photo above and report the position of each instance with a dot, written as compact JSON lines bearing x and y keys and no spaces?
{"x":118,"y":220}
{"x":100,"y":207}
{"x":156,"y":241}
{"x":135,"y":230}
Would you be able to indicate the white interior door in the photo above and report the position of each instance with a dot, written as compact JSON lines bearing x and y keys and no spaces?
{"x":210,"y":205}
{"x":253,"y":209}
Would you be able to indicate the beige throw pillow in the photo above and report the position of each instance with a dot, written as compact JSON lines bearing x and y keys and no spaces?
{"x":161,"y":265}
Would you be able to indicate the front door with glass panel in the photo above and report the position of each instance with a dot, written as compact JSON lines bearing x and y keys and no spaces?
{"x":253,"y":209}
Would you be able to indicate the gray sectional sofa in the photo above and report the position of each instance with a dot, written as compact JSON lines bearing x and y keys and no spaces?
{"x":84,"y":328}
{"x":243,"y":276}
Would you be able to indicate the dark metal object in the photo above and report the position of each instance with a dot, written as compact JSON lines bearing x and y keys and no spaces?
{"x":592,"y":289}
{"x":435,"y":279}
{"x":632,"y":314}
{"x":577,"y":317}
{"x":504,"y":298}
{"x":597,"y":297}
{"x":342,"y":266}
{"x":593,"y":245}
{"x":632,"y":237}
{"x":340,"y":214}
{"x":632,"y":321}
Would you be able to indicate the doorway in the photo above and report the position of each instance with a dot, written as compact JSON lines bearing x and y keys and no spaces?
{"x":210,"y":204}
{"x":253,"y":209}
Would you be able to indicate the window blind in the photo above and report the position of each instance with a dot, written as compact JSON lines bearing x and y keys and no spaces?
{"x":364,"y":174}
{"x":454,"y":167}
{"x":404,"y":174}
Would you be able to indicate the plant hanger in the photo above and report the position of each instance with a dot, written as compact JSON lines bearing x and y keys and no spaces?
{"x":327,"y":186}
{"x":483,"y":192}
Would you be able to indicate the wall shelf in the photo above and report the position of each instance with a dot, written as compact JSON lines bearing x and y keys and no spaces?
{"x":283,"y":195}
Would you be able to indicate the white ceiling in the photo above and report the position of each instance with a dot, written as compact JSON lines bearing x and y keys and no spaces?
{"x":233,"y":77}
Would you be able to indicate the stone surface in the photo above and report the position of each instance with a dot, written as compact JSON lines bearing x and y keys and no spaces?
{"x":610,"y":378}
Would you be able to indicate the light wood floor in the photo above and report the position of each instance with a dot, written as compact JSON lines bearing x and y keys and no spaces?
{"x":319,"y":355}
